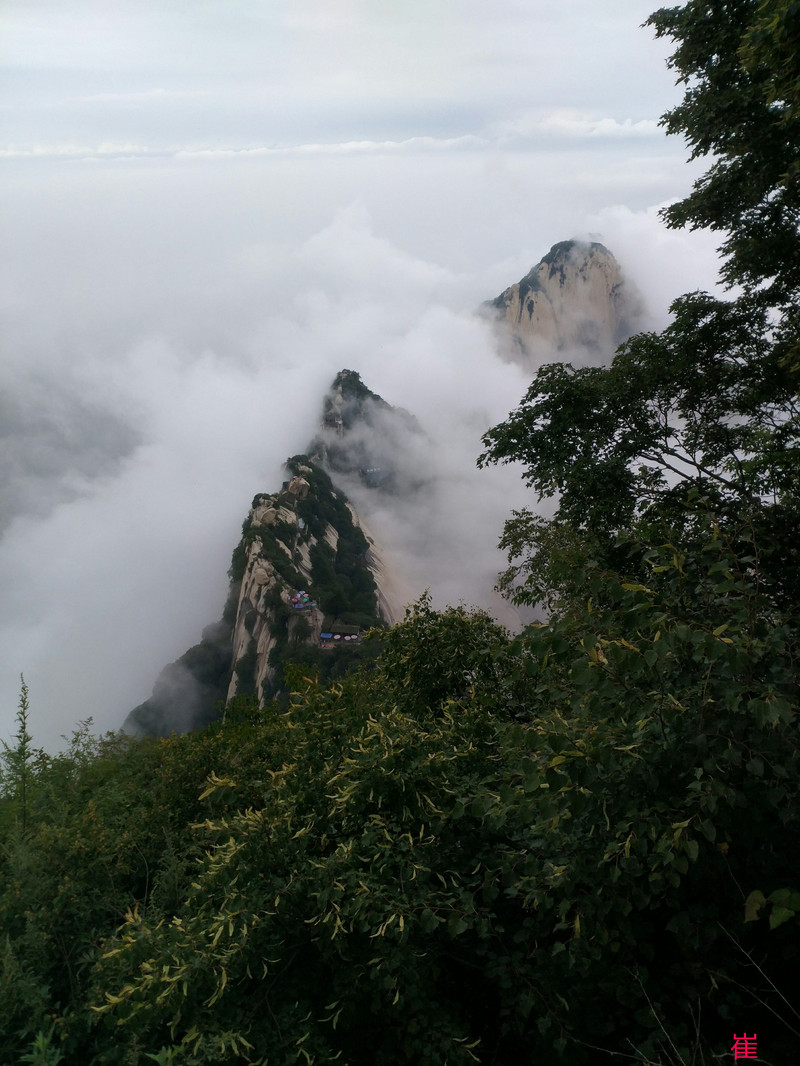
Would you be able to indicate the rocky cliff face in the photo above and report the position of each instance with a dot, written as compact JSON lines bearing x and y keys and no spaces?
{"x":574,"y":300}
{"x":309,"y":582}
{"x":307,"y":579}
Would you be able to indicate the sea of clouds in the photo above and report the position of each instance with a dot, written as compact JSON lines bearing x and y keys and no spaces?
{"x":169,"y":331}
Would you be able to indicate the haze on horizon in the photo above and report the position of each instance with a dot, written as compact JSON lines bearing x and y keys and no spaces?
{"x":209,"y":209}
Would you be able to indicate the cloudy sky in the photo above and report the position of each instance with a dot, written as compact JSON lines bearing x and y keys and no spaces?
{"x":208,"y":208}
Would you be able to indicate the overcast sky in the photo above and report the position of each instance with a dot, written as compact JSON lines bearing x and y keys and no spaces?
{"x":208,"y":208}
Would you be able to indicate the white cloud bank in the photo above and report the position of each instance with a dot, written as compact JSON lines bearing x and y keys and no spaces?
{"x":210,"y":209}
{"x":104,"y":582}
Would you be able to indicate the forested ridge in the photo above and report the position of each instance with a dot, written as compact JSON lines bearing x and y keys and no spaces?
{"x":575,"y":845}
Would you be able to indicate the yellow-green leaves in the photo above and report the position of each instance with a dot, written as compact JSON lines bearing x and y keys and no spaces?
{"x":784,"y":905}
{"x":215,"y":782}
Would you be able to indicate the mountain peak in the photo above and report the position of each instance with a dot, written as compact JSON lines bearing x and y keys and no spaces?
{"x":575,"y":299}
{"x":573,"y":249}
{"x":307,"y":579}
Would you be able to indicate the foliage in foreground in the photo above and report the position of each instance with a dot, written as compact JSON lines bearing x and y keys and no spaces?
{"x":569,"y":841}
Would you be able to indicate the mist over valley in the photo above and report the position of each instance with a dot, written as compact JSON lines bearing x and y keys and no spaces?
{"x":173,"y":312}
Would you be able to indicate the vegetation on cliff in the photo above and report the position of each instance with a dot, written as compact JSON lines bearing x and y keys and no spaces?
{"x":482,"y":850}
{"x":574,"y":845}
{"x":191,"y":692}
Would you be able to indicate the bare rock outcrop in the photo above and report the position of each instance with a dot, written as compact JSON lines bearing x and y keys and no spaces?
{"x":575,"y":300}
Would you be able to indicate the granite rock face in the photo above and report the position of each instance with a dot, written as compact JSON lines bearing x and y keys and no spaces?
{"x":305,"y":567}
{"x":575,"y":300}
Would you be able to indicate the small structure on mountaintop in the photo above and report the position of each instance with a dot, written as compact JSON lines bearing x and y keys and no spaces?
{"x":337,"y":634}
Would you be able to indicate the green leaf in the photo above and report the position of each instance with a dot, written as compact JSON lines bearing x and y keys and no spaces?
{"x":779,"y":915}
{"x":708,"y":830}
{"x":785,"y":897}
{"x":753,"y":904}
{"x":456,"y":925}
{"x":428,"y":921}
{"x":531,"y":782}
{"x":756,"y":766}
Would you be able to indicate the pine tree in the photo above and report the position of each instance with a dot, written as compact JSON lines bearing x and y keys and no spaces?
{"x":16,"y":761}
